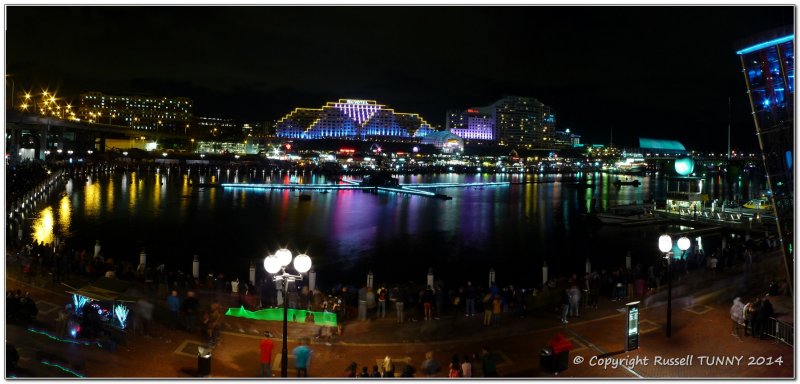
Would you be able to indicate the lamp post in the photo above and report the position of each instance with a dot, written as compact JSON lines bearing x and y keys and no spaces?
{"x":276,"y":265}
{"x":665,"y":245}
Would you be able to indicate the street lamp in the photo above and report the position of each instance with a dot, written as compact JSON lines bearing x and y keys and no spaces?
{"x":276,"y":265}
{"x":665,"y":245}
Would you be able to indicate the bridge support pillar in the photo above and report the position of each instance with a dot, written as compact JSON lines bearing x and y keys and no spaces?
{"x":100,"y":143}
{"x":43,"y":131}
{"x":13,"y":144}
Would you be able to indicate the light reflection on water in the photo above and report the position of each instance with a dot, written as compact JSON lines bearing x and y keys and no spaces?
{"x":511,"y":228}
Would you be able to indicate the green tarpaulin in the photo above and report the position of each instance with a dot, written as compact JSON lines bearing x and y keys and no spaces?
{"x":276,"y":314}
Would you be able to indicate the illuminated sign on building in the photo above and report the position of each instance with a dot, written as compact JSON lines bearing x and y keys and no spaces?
{"x":351,"y":101}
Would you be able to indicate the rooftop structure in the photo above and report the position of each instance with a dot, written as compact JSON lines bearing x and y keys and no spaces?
{"x":352,"y":119}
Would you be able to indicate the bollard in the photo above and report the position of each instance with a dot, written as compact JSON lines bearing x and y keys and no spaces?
{"x":491,"y":277}
{"x":312,"y":280}
{"x":142,"y":256}
{"x":97,"y":249}
{"x":252,"y":273}
{"x":370,"y":278}
{"x":544,"y":273}
{"x":196,"y":268}
{"x":430,"y":277}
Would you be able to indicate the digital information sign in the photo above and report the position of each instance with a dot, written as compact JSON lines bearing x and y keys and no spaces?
{"x":632,"y":334}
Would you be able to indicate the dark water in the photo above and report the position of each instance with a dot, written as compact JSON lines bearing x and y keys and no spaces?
{"x":512,"y":229}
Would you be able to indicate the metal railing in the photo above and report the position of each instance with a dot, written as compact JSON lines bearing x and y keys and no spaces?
{"x":781,"y":331}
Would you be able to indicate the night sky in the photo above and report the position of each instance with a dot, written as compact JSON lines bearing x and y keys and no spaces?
{"x":663,"y":72}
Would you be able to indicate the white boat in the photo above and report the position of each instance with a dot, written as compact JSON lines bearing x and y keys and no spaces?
{"x":628,"y":215}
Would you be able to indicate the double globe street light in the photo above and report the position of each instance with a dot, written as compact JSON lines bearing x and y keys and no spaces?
{"x":665,"y":245}
{"x":276,"y":265}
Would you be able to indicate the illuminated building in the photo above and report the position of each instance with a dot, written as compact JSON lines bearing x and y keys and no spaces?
{"x":662,"y":146}
{"x":212,"y":125}
{"x":471,"y":125}
{"x":516,"y":121}
{"x":566,"y":139}
{"x":445,"y":141}
{"x":768,"y":69}
{"x":352,"y":119}
{"x":149,"y":113}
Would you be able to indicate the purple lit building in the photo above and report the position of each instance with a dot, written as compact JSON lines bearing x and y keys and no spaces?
{"x":471,"y":125}
{"x":352,"y":119}
{"x":520,"y":122}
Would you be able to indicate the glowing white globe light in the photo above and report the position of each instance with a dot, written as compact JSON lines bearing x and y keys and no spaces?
{"x":271,"y":264}
{"x":302,"y":263}
{"x":665,"y":243}
{"x":284,"y":256}
{"x":684,"y":166}
{"x":684,"y":243}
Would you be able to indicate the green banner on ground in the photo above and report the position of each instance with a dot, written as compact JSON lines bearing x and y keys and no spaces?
{"x":276,"y":314}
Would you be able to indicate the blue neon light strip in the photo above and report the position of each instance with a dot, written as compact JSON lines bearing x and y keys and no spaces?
{"x":63,"y":368}
{"x":293,"y":186}
{"x":58,"y":338}
{"x":407,"y":190}
{"x":765,"y":44}
{"x":457,"y":185}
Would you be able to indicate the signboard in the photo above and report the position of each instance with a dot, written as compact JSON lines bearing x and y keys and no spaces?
{"x":632,"y":329}
{"x":351,"y":101}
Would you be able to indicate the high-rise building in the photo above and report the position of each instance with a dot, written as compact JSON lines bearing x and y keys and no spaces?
{"x":213,"y":126}
{"x":519,"y":122}
{"x":352,"y":119}
{"x":523,"y":122}
{"x":768,"y":68}
{"x":471,"y":125}
{"x":148,"y":113}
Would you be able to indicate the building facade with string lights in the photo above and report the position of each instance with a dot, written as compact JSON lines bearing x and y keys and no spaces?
{"x":352,"y":119}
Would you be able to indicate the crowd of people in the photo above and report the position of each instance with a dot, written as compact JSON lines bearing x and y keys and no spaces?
{"x":20,"y":307}
{"x":459,"y":366}
{"x":22,"y":177}
{"x":751,"y":318}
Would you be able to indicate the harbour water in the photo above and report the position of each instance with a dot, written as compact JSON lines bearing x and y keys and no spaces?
{"x":512,"y":229}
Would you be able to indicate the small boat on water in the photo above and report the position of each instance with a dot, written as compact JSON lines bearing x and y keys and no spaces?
{"x":618,"y":183}
{"x":323,"y":191}
{"x":628,"y":215}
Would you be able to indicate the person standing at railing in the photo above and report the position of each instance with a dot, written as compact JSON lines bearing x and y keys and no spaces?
{"x":737,"y":310}
{"x":766,"y":312}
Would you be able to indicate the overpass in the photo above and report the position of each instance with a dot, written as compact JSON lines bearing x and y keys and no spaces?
{"x":46,"y":132}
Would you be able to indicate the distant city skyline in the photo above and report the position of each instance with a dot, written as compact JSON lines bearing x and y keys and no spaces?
{"x":636,"y":70}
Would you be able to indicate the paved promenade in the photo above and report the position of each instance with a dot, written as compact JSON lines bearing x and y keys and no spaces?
{"x":701,"y":329}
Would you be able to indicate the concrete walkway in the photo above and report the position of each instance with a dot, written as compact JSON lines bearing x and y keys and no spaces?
{"x":701,"y":328}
